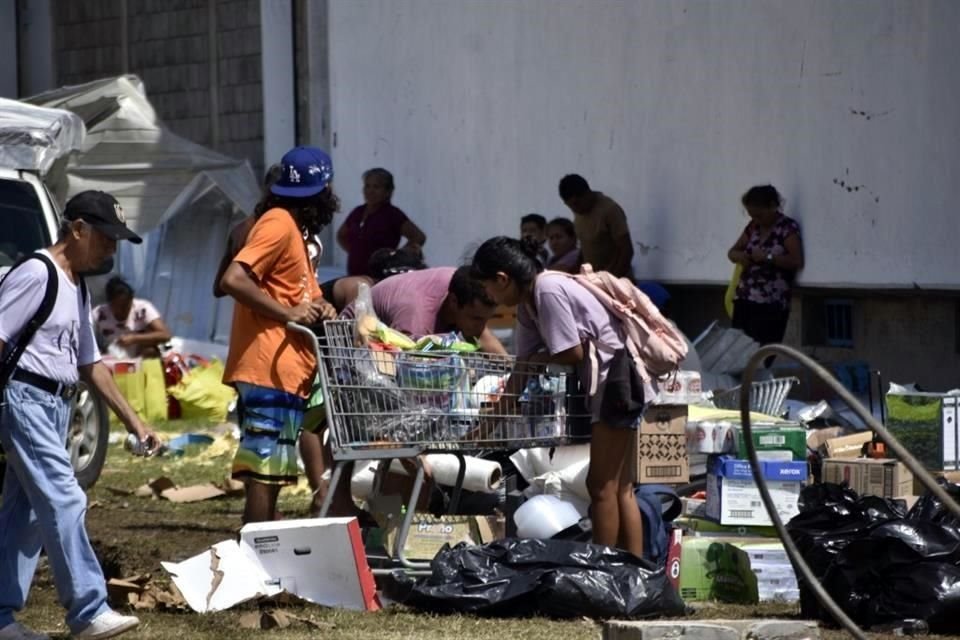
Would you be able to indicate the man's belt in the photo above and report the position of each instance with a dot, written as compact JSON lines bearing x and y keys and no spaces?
{"x":59,"y":389}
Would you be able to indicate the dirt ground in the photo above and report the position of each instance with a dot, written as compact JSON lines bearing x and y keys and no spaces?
{"x":133,"y":535}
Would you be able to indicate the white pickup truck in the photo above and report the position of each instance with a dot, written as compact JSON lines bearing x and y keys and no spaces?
{"x":29,"y":220}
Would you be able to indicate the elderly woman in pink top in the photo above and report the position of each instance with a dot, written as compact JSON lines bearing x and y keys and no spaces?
{"x":377,"y":224}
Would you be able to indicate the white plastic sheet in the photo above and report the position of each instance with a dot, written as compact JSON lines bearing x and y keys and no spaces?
{"x":182,"y":197}
{"x":34,"y":138}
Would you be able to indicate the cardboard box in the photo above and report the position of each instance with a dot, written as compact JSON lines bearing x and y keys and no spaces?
{"x":927,"y":425}
{"x":428,"y":534}
{"x":659,"y":453}
{"x":491,"y":528}
{"x":847,"y":446}
{"x":885,"y":478}
{"x":817,"y":437}
{"x":712,"y":569}
{"x":321,"y":560}
{"x":734,"y":499}
{"x":792,"y":438}
{"x":726,"y":436}
{"x":701,"y":526}
{"x":664,"y":420}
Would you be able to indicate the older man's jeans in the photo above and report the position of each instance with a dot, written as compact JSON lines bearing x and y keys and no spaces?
{"x":43,"y":506}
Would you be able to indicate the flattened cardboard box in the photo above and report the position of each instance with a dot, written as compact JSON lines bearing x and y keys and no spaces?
{"x":659,"y":453}
{"x":428,"y":534}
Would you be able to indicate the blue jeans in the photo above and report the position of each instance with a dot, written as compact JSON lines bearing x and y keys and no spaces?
{"x":43,"y":506}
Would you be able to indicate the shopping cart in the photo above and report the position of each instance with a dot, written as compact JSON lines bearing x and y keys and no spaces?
{"x":766,"y":397}
{"x":385,"y":405}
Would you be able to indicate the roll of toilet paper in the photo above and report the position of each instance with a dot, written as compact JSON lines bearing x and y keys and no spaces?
{"x":481,"y":475}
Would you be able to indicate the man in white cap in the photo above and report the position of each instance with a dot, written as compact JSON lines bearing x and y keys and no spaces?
{"x":48,"y":345}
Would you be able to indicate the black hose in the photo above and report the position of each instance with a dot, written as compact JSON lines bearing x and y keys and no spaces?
{"x":898,"y":450}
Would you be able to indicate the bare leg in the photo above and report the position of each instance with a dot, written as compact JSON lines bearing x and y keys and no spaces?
{"x":630,"y":536}
{"x":261,"y":503}
{"x":314,"y":463}
{"x":609,"y":487}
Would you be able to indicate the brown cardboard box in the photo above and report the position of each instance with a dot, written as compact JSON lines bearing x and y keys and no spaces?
{"x":428,"y":534}
{"x":491,"y":528}
{"x":847,"y":446}
{"x":843,"y":472}
{"x":664,"y":419}
{"x":885,"y":478}
{"x":659,"y":453}
{"x":817,"y":437}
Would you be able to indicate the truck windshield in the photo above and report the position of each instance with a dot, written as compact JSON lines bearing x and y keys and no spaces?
{"x":22,"y":228}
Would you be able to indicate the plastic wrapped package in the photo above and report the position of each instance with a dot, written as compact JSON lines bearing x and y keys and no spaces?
{"x":33,"y":138}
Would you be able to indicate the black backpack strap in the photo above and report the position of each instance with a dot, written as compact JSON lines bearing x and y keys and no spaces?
{"x":12,"y":356}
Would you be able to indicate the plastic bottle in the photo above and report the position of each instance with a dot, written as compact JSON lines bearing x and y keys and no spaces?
{"x":138,"y":447}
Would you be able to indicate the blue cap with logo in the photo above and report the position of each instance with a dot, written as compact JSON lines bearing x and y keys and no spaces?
{"x":306,"y":171}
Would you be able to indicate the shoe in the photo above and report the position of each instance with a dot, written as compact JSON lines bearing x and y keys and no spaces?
{"x":16,"y":631}
{"x":107,"y":625}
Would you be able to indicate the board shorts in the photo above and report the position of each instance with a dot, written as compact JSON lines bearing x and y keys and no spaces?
{"x":270,"y":422}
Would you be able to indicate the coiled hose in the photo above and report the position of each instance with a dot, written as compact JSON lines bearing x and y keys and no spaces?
{"x":898,"y":449}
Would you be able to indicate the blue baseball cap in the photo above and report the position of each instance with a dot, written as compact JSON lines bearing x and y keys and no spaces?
{"x":305,"y":172}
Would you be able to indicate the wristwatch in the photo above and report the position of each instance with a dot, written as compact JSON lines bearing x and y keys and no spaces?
{"x":769,"y":258}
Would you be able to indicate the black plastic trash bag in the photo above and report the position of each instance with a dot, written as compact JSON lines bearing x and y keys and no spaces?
{"x":903,"y":570}
{"x":830,"y":518}
{"x":556,"y":578}
{"x":928,"y":507}
{"x":878,"y":563}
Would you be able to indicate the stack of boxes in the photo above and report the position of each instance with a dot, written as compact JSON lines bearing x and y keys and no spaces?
{"x":733,"y":497}
{"x":732,"y":514}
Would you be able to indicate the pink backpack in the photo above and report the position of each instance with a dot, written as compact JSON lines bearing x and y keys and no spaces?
{"x":651,"y":339}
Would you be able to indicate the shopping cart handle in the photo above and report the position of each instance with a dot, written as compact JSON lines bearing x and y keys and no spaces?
{"x":307,"y":331}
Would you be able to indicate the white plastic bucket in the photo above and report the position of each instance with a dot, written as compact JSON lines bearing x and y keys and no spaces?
{"x":544,"y":517}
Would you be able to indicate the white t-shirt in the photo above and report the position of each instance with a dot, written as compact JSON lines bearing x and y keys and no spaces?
{"x":65,"y":341}
{"x":142,"y":313}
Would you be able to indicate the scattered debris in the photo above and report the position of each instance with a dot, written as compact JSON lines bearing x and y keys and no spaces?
{"x":141,"y":593}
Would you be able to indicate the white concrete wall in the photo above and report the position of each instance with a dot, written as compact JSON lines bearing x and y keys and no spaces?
{"x":674,"y":108}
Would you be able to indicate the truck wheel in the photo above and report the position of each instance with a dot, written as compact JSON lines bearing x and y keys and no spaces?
{"x":89,"y":436}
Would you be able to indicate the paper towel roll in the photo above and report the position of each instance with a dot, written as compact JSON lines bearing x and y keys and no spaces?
{"x":481,"y":475}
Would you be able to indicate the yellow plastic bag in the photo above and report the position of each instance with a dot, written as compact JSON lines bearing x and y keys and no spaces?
{"x":145,"y":391}
{"x":202,"y":394}
{"x":732,"y":289}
